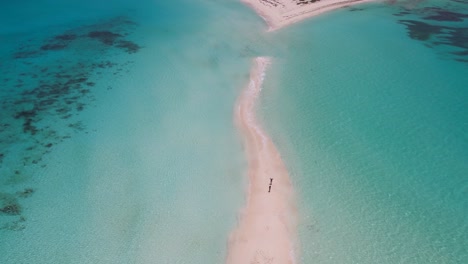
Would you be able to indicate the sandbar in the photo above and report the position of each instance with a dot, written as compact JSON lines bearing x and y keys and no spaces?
{"x":280,"y":13}
{"x":266,"y":232}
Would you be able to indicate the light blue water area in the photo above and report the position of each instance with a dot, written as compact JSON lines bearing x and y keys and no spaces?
{"x":369,"y":110}
{"x":116,"y":129}
{"x":118,"y":145}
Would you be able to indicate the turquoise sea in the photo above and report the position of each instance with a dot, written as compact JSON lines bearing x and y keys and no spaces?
{"x":117,"y":140}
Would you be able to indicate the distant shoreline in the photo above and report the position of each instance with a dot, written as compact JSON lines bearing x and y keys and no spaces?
{"x":281,"y":13}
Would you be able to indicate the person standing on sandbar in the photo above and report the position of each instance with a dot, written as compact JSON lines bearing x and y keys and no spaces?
{"x":271,"y":183}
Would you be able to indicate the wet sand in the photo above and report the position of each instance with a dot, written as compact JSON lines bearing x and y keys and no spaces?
{"x":266,"y":232}
{"x":281,"y":13}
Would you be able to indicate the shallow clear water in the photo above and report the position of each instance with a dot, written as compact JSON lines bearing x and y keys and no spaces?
{"x":117,"y":139}
{"x":373,"y":125}
{"x":118,"y":144}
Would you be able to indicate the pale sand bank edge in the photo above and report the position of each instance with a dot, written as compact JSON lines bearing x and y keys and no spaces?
{"x":286,"y":12}
{"x":266,"y":232}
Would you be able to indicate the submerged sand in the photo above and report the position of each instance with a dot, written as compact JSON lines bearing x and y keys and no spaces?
{"x":266,"y":231}
{"x":280,"y":13}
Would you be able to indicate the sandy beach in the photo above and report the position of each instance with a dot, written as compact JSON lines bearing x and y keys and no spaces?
{"x":266,"y":231}
{"x":280,"y":13}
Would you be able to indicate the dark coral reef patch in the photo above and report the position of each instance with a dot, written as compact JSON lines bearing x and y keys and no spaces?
{"x":9,"y":205}
{"x":421,"y":31}
{"x":436,"y":35}
{"x":106,"y":37}
{"x":111,"y":33}
{"x":439,"y":14}
{"x":439,"y":26}
{"x":128,"y":46}
{"x":26,"y":193}
{"x":42,"y":103}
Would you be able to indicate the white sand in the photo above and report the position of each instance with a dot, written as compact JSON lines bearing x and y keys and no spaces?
{"x":280,"y":13}
{"x":267,"y":229}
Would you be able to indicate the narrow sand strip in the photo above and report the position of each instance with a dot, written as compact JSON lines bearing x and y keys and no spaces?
{"x":267,"y":228}
{"x":280,"y":13}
